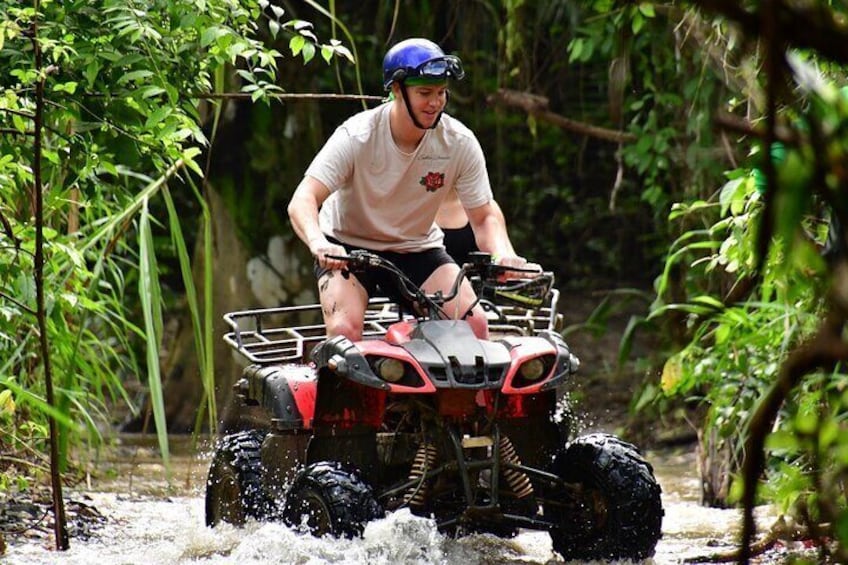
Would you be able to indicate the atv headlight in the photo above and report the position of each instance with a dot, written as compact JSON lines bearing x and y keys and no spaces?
{"x":532,"y":370}
{"x":390,"y":370}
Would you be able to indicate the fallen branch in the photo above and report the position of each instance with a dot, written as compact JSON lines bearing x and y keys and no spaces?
{"x":780,"y":531}
{"x":537,"y":106}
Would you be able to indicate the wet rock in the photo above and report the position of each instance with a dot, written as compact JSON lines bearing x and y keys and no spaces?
{"x":30,"y":515}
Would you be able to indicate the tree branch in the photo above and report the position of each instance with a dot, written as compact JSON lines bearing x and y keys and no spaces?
{"x":733,"y":123}
{"x":18,"y":303}
{"x":12,"y":131}
{"x":812,"y":27}
{"x":286,"y":96}
{"x":537,"y":106}
{"x":60,"y":527}
{"x":22,"y":113}
{"x":10,"y":233}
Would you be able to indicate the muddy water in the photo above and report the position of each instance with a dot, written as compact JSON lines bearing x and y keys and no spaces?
{"x":150,"y":520}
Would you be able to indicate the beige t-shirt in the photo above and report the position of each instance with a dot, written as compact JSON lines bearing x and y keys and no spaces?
{"x":386,"y":200}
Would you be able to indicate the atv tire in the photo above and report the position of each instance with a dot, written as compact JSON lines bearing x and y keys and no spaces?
{"x":618,"y":512}
{"x":333,"y":499}
{"x":234,"y":490}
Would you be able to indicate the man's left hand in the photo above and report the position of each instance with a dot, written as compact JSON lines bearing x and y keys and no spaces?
{"x":520,"y":263}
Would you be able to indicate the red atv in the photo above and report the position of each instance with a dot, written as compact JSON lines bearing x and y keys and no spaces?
{"x":422,"y":414}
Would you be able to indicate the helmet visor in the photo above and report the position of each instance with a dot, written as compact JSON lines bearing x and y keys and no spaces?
{"x":440,"y":68}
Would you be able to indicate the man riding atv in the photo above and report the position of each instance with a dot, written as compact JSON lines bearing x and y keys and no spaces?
{"x":379,"y":182}
{"x":440,"y":398}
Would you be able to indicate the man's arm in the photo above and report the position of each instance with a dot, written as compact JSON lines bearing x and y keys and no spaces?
{"x":491,"y":234}
{"x":490,"y":231}
{"x":303,"y":213}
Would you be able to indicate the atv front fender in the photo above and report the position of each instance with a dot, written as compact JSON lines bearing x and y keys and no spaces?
{"x":285,"y":392}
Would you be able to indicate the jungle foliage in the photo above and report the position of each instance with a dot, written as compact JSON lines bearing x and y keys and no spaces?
{"x":100,"y":110}
{"x":755,"y":278}
{"x":749,"y":308}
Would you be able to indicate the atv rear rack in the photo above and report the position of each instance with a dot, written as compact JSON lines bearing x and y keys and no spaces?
{"x":287,"y":334}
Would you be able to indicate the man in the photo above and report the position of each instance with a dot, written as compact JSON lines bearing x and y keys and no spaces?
{"x":378,"y":183}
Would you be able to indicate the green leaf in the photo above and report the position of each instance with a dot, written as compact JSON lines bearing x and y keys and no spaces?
{"x":69,"y":87}
{"x":344,"y":52}
{"x":151,"y":302}
{"x":707,"y":300}
{"x":151,"y":91}
{"x":296,"y":43}
{"x":135,"y":76}
{"x":722,"y":334}
{"x":308,"y":52}
{"x":647,"y":9}
{"x":157,"y":116}
{"x":274,"y":28}
{"x":806,"y":422}
{"x":91,"y":71}
{"x":211,"y":34}
{"x":575,"y":49}
{"x":637,"y":23}
{"x":731,"y":192}
{"x":782,"y":440}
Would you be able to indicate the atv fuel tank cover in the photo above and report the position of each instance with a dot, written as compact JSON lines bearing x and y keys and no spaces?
{"x":454,"y":357}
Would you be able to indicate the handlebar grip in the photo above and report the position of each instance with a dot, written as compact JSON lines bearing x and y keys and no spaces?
{"x":357,"y":258}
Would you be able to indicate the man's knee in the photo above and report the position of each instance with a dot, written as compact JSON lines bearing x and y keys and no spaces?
{"x":479,"y":324}
{"x":344,"y":325}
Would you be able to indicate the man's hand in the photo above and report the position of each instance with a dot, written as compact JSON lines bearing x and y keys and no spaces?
{"x":321,"y":248}
{"x":518,"y":262}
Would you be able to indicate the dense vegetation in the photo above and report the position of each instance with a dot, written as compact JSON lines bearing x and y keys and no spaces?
{"x":129,"y":129}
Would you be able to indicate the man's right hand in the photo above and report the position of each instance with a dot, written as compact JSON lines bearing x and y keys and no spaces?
{"x":321,"y":248}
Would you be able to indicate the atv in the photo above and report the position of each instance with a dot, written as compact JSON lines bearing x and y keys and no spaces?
{"x":422,"y":414}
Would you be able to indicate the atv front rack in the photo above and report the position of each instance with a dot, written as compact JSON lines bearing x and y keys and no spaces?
{"x":287,"y":334}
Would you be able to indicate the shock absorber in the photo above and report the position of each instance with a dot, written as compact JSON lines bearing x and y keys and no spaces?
{"x":425,"y":459}
{"x":517,"y":480}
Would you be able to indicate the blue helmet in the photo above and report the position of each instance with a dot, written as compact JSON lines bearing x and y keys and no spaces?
{"x":419,"y":58}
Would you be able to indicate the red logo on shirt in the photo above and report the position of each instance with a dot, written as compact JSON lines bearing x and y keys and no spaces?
{"x":433,"y":181}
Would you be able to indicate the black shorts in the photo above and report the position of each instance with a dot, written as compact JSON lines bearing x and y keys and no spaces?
{"x":418,"y":266}
{"x":459,"y":242}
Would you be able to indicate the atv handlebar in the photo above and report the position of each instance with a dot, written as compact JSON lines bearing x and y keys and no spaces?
{"x":487,"y":278}
{"x":516,"y":307}
{"x":423,"y":304}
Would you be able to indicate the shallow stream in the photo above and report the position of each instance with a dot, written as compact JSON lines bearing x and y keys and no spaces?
{"x":149,"y":520}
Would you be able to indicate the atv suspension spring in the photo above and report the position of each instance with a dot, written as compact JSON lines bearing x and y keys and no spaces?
{"x":517,"y":480}
{"x":425,"y":459}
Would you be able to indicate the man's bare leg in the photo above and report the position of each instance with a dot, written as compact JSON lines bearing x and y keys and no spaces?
{"x":343,"y":303}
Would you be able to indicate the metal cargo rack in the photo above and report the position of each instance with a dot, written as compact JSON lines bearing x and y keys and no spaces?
{"x":287,"y":334}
